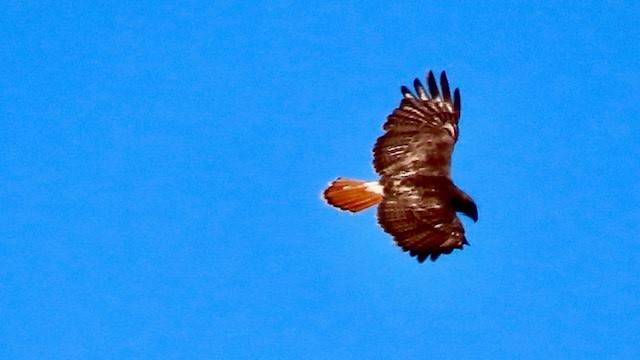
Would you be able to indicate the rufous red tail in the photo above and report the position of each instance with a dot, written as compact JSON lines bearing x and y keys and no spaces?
{"x":353,"y":195}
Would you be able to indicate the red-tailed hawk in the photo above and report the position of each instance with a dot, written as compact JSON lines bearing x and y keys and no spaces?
{"x":417,"y":199}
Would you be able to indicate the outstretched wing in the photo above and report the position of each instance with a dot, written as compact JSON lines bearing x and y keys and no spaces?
{"x":418,"y":212}
{"x":413,"y":159}
{"x":421,"y":132}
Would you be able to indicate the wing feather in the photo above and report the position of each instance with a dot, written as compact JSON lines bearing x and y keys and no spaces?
{"x":446,"y":93}
{"x":457,"y":104}
{"x":422,"y":93}
{"x":406,"y":93}
{"x":433,"y":87}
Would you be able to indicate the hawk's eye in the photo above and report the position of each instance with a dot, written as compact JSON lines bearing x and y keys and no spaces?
{"x":452,"y":129}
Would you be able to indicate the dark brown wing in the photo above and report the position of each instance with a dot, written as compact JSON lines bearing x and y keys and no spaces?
{"x":421,"y":132}
{"x":413,"y":159}
{"x":418,"y":212}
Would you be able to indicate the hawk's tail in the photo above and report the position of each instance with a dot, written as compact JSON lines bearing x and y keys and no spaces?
{"x":353,"y":195}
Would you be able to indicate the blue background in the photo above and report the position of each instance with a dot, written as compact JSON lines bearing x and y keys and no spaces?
{"x":161,"y":167}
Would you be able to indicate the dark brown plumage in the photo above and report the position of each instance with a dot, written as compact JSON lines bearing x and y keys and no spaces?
{"x":417,"y":199}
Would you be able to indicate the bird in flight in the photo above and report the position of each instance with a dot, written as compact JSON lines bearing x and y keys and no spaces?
{"x":416,"y":197}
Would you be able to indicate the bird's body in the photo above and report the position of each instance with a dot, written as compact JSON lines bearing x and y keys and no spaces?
{"x":416,"y":195}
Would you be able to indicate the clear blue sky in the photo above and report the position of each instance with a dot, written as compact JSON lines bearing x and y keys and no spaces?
{"x":161,"y":167}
